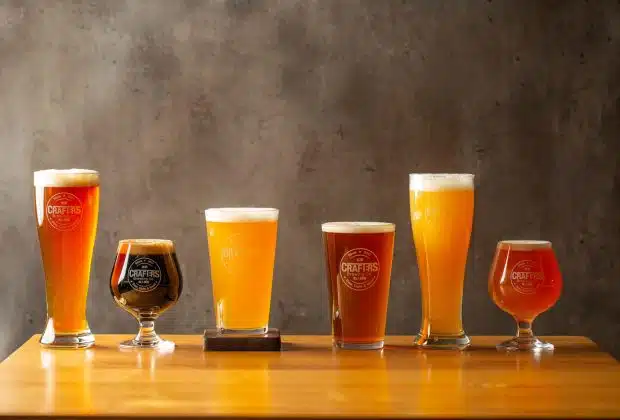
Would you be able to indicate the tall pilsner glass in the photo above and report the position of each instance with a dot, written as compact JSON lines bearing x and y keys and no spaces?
{"x":67,"y":209}
{"x":442,"y":209}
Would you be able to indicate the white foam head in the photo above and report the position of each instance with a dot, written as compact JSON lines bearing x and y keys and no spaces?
{"x":66,"y":178}
{"x":145,"y":246}
{"x":241,"y":214}
{"x":523,"y":245}
{"x":358,"y":227}
{"x":440,"y":182}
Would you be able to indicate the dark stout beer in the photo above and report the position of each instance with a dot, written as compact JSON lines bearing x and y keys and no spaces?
{"x":146,"y":280}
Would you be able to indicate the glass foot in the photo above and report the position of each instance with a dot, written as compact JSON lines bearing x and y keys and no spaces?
{"x":525,"y":344}
{"x":81,"y":340}
{"x":447,"y":342}
{"x":377,"y":345}
{"x":156,"y":343}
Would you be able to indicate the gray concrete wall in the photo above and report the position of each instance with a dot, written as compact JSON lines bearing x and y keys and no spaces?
{"x":320,"y":108}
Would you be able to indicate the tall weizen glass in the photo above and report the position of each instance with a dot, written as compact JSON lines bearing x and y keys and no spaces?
{"x":442,"y":209}
{"x":242,"y":249}
{"x":67,"y":210}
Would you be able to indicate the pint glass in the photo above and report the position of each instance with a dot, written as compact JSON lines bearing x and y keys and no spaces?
{"x":358,"y":259}
{"x":67,"y":208}
{"x":442,"y":209}
{"x":525,"y":281}
{"x":242,"y":249}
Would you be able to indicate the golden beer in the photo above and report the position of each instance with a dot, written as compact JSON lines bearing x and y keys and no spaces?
{"x":242,"y":249}
{"x":442,"y":209}
{"x":67,"y":209}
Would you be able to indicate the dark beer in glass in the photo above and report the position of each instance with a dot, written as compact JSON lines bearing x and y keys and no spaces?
{"x":146,"y":280}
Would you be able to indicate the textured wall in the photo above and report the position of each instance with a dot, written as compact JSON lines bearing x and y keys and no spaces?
{"x":320,"y":108}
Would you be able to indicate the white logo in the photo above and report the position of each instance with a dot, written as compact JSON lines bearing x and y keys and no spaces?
{"x":144,"y":275}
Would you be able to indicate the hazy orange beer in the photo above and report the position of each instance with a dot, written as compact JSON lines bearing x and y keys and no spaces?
{"x":442,"y":209}
{"x":67,"y":209}
{"x":242,"y":249}
{"x":358,"y":257}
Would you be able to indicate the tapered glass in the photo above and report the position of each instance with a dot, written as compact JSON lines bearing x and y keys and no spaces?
{"x":242,"y":250}
{"x":67,"y":209}
{"x":442,"y":210}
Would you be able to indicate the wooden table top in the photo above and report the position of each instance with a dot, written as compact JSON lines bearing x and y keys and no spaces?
{"x":309,"y":379}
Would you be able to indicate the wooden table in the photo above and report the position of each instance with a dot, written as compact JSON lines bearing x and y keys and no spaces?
{"x":310,"y":379}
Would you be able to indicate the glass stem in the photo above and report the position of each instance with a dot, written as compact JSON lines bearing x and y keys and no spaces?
{"x":147,"y":334}
{"x":524,"y":331}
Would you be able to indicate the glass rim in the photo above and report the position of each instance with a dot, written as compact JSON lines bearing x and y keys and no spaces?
{"x":442,"y":174}
{"x":524,"y":244}
{"x":241,"y":214}
{"x":73,"y":177}
{"x":441,"y":181}
{"x":140,"y":246}
{"x":358,"y":227}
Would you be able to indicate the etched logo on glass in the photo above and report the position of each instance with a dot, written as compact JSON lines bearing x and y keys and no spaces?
{"x":526,"y":276}
{"x":144,"y":275}
{"x":64,"y":211}
{"x":359,"y":269}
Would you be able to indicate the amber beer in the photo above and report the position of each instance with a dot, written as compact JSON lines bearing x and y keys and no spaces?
{"x":242,"y":249}
{"x":66,"y":208}
{"x":525,"y":281}
{"x":358,"y":259}
{"x":442,"y":210}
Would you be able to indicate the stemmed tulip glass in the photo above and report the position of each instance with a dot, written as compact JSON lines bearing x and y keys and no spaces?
{"x":525,"y":281}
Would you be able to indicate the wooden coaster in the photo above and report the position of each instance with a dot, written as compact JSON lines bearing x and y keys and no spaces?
{"x":213,"y":341}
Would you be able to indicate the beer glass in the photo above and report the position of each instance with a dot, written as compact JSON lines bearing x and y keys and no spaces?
{"x":442,"y":209}
{"x":525,"y":281}
{"x":146,"y":281}
{"x":242,"y":249}
{"x":358,"y":259}
{"x":67,"y":209}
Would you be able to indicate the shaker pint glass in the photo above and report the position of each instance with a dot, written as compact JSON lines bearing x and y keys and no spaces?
{"x":359,"y":264}
{"x":242,"y":249}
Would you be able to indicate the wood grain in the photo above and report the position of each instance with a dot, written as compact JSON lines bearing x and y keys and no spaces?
{"x":310,"y":379}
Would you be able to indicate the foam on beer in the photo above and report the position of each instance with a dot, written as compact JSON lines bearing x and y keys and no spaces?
{"x":66,"y":178}
{"x":523,"y":245}
{"x":146,"y":246}
{"x":241,"y":214}
{"x":440,"y":182}
{"x":357,"y":227}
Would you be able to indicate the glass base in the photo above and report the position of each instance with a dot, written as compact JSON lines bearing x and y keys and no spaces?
{"x":157,"y":343}
{"x":229,"y":331}
{"x":447,"y":342}
{"x":81,"y":340}
{"x":525,"y":344}
{"x":377,"y":345}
